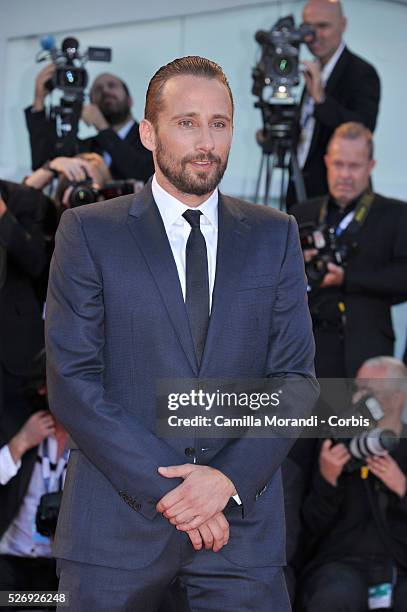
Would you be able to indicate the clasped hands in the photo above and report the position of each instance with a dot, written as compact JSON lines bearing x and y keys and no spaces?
{"x":196,"y":505}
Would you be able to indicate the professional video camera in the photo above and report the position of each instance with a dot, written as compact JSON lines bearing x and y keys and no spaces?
{"x":371,"y":441}
{"x":84,"y":192}
{"x":274,"y":76}
{"x":278,"y":65}
{"x":71,"y":78}
{"x":331,"y":249}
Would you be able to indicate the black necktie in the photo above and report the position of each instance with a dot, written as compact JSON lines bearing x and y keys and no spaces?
{"x":197,"y":282}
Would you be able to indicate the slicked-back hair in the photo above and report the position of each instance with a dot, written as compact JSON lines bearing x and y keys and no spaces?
{"x":352,"y":130}
{"x":191,"y":65}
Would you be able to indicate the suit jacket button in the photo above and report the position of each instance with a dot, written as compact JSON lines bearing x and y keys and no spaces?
{"x":190,"y":452}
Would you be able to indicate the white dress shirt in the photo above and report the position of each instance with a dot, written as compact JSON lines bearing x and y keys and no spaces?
{"x":178,"y":229}
{"x":8,"y":469}
{"x":307,"y":120}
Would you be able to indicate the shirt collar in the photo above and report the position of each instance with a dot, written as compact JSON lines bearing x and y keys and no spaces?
{"x":328,"y":68}
{"x":171,"y":209}
{"x":122,"y":133}
{"x":343,"y":211}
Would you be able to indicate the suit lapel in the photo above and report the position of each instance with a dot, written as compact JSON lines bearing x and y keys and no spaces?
{"x":148,"y":230}
{"x":233,"y":241}
{"x":330,"y":90}
{"x":337,"y":72}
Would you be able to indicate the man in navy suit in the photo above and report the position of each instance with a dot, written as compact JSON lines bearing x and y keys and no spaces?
{"x":176,"y":282}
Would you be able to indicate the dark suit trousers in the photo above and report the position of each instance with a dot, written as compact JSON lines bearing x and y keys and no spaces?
{"x":342,"y":586}
{"x":27,"y":574}
{"x":209,"y":582}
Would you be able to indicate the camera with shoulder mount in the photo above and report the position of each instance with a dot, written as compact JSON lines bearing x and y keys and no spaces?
{"x":279,"y":63}
{"x":71,"y":78}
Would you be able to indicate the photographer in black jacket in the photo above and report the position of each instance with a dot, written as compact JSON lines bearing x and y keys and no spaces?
{"x":358,"y":518}
{"x":109,"y":112}
{"x":24,"y":260}
{"x":351,"y":302}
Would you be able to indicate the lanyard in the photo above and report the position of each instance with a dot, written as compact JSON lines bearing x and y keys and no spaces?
{"x":353,"y":220}
{"x":51,"y":476}
{"x":344,"y":223}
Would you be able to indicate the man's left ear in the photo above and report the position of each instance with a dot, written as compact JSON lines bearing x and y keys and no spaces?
{"x":344,"y":24}
{"x":147,"y":134}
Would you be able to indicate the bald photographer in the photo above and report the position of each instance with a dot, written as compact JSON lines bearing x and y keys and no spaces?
{"x":339,"y":87}
{"x":356,"y":511}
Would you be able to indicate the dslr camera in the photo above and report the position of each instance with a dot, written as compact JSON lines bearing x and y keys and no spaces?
{"x":47,"y":513}
{"x":370,"y":440}
{"x":331,"y":249}
{"x":84,"y":192}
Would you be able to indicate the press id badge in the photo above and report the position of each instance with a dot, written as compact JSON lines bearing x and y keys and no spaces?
{"x":380,"y":596}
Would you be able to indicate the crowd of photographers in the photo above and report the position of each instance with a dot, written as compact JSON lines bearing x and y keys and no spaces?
{"x":346,"y":508}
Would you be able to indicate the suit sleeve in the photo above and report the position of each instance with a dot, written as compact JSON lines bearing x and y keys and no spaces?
{"x":130,"y":159}
{"x":363,"y":107}
{"x":43,"y":138}
{"x":322,"y":506}
{"x":111,"y":437}
{"x":21,"y":231}
{"x":249,"y":463}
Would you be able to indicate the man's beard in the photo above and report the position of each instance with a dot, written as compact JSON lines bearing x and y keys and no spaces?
{"x":116,"y":114}
{"x":176,"y":172}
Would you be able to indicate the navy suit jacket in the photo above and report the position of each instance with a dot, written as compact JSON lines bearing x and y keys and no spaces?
{"x":116,"y":322}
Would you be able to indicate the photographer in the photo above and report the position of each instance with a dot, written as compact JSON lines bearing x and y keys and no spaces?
{"x":363,"y":240}
{"x":109,"y":112}
{"x":339,"y":87}
{"x":83,"y":179}
{"x":24,"y":260}
{"x":33,"y":460}
{"x":357,"y":514}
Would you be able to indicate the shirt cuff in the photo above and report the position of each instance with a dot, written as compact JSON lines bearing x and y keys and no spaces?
{"x":237,"y":499}
{"x":8,"y":469}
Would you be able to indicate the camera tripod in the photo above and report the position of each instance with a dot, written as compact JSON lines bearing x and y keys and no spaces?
{"x":67,"y":117}
{"x":278,"y":140}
